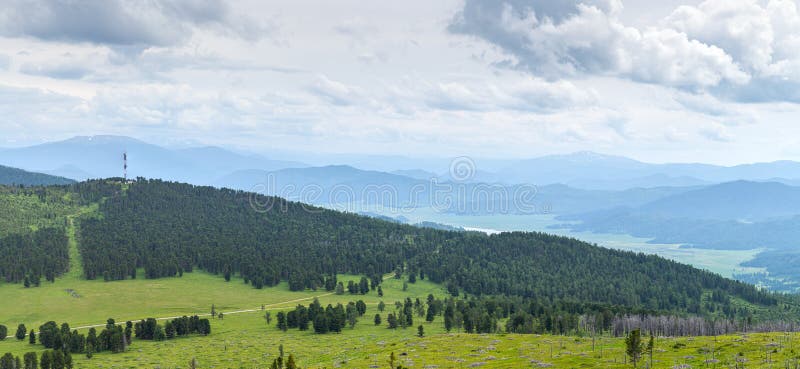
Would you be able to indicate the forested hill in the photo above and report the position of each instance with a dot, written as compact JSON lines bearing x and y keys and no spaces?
{"x":170,"y":228}
{"x":14,"y":176}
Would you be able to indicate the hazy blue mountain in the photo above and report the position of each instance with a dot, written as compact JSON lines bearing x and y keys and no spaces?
{"x":101,"y":157}
{"x":223,"y":161}
{"x":14,"y":176}
{"x":416,"y":174}
{"x":582,"y":167}
{"x":739,"y":200}
{"x":333,"y":184}
{"x":735,"y":210}
{"x":72,"y":172}
{"x":336,"y":184}
{"x":590,"y":170}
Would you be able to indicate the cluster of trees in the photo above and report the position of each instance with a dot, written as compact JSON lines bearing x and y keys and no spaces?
{"x":170,"y":228}
{"x":149,"y":329}
{"x":535,"y":316}
{"x":112,"y":338}
{"x":29,"y":257}
{"x":63,"y":342}
{"x":50,"y":359}
{"x":322,"y":320}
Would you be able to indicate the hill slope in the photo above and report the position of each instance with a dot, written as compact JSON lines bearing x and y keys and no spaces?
{"x":167,"y":228}
{"x":14,"y":176}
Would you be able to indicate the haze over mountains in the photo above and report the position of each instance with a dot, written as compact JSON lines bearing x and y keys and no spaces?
{"x":84,"y":157}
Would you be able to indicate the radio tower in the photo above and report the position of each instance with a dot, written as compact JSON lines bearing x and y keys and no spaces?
{"x":125,"y":166}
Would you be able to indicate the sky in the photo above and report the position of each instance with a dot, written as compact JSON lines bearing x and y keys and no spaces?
{"x":714,"y":81}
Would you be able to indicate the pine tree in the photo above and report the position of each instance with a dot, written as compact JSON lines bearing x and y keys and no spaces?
{"x":32,"y":337}
{"x":46,"y":361}
{"x":431,"y":314}
{"x":67,"y":360}
{"x":392,"y":321}
{"x":361,"y":307}
{"x":31,"y":361}
{"x":377,"y":319}
{"x":21,"y":331}
{"x":421,"y":331}
{"x":7,"y":361}
{"x":352,"y":315}
{"x":58,"y":359}
{"x":290,"y":362}
{"x":651,"y":345}
{"x":282,"y":324}
{"x":634,"y":346}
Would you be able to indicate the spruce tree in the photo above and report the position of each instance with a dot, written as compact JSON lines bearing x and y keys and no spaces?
{"x":21,"y":331}
{"x":290,"y":362}
{"x":31,"y":361}
{"x":634,"y":346}
{"x":282,"y":323}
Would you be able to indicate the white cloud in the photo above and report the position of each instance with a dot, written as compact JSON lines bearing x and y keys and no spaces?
{"x":359,"y":76}
{"x":124,"y":23}
{"x":722,"y":46}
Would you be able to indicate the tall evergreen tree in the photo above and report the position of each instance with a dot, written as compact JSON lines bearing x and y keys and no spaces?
{"x":21,"y":332}
{"x":634,"y":346}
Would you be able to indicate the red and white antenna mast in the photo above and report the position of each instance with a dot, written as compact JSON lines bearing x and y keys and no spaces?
{"x":125,"y":166}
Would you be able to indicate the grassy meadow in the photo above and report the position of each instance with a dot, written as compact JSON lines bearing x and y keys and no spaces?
{"x":244,"y":340}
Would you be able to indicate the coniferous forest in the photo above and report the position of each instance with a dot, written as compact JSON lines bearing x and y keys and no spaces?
{"x":166,"y":229}
{"x":156,"y":229}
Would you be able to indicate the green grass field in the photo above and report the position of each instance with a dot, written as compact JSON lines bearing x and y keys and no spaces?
{"x":244,"y":340}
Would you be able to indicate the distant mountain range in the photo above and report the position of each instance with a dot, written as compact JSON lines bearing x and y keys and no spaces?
{"x":590,"y":170}
{"x":14,"y":176}
{"x":101,"y":156}
{"x":85,"y":157}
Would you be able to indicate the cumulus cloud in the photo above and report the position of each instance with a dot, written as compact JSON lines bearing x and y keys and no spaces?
{"x":123,"y":23}
{"x":723,"y":46}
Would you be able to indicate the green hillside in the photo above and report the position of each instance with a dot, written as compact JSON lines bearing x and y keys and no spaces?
{"x":14,"y":176}
{"x":155,"y":229}
{"x":86,"y":252}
